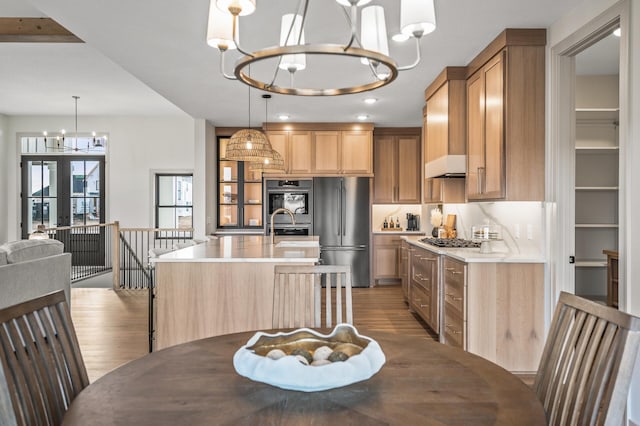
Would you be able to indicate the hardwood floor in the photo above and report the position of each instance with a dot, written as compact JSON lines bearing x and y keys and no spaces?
{"x":112,"y":326}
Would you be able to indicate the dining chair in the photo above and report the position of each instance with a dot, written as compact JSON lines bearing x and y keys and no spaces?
{"x":297,"y":296}
{"x":42,"y":368}
{"x":586,"y":366}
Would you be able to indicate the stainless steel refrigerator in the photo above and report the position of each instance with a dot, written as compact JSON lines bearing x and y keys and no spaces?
{"x":341,"y":220}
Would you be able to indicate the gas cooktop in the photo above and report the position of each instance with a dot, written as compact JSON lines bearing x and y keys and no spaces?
{"x":450,"y":242}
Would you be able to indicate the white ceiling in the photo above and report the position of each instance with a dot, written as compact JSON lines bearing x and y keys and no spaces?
{"x":143,"y":57}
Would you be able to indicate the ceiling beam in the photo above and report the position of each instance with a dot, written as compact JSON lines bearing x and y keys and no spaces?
{"x":35,"y":30}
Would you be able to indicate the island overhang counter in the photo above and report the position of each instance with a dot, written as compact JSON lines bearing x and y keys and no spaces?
{"x":222,"y":286}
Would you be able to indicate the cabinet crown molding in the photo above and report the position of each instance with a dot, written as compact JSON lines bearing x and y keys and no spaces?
{"x":508,"y":37}
{"x":447,"y":74}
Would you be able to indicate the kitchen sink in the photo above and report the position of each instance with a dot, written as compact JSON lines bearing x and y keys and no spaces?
{"x":298,"y":243}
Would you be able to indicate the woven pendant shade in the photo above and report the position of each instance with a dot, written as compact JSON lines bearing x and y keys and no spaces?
{"x":249,"y":145}
{"x":269,"y":165}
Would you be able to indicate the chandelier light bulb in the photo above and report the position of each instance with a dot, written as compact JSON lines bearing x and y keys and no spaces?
{"x":249,"y":145}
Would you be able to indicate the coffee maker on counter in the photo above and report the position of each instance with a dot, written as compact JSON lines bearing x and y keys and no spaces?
{"x":413,"y":222}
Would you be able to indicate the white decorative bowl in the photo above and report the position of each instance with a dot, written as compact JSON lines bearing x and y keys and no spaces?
{"x":289,"y":373}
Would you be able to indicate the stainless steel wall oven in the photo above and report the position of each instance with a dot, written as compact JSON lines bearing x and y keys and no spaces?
{"x":294,"y":195}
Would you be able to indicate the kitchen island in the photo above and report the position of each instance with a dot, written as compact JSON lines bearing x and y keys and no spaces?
{"x":222,"y":286}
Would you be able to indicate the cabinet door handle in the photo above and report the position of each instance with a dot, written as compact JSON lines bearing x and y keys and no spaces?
{"x":453,"y":271}
{"x":453,"y":297}
{"x":424,"y":306}
{"x":453,"y":330}
{"x":430,"y":259}
{"x":421,"y":277}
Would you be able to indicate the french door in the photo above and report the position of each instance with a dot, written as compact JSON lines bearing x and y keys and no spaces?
{"x":60,"y":191}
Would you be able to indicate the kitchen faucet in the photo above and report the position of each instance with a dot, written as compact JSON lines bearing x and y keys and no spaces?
{"x":276,"y":211}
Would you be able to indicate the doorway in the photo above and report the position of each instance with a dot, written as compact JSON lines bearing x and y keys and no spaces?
{"x":66,"y":190}
{"x":588,"y":140}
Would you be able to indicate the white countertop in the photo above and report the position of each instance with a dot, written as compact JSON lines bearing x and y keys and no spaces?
{"x":246,"y":248}
{"x":398,"y":232}
{"x":473,"y":255}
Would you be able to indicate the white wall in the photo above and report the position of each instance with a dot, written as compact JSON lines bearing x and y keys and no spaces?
{"x":4,"y":170}
{"x":630,"y":154}
{"x":138,"y":147}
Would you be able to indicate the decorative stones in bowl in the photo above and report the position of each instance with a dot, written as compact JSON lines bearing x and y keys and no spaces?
{"x":290,"y":360}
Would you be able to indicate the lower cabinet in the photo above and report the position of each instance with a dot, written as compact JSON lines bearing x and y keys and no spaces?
{"x":423,"y":288}
{"x":496,"y":311}
{"x":406,"y":250}
{"x":454,"y":319}
{"x":386,"y":258}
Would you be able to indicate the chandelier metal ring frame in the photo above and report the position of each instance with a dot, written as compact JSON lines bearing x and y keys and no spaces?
{"x":315,"y":49}
{"x":417,"y":19}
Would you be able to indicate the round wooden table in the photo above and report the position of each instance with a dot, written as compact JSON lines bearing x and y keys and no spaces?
{"x":423,"y":382}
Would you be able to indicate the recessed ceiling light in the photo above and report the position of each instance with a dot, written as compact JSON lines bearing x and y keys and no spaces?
{"x":283,"y":117}
{"x":617,"y":32}
{"x":370,"y":101}
{"x":363,"y":117}
{"x":400,"y":37}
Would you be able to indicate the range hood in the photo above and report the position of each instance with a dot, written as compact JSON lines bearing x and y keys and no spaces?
{"x":446,"y":166}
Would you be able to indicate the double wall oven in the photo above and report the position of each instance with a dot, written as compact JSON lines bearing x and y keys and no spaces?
{"x":294,"y":195}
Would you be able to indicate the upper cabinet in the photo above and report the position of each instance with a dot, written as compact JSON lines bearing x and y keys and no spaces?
{"x":444,"y":137}
{"x":444,"y":125}
{"x":320,"y":149}
{"x":295,"y":148}
{"x":396,"y":166}
{"x":505,"y":118}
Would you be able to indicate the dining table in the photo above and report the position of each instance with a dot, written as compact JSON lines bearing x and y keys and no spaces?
{"x":422,"y":382}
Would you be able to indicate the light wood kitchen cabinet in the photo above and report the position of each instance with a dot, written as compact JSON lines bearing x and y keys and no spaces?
{"x":396,"y":169}
{"x":496,"y":311}
{"x":444,"y":125}
{"x":454,"y":299}
{"x":424,"y":295}
{"x":322,"y":149}
{"x":444,"y":190}
{"x":356,"y":152}
{"x":505,"y":118}
{"x":406,"y":250}
{"x":295,"y":148}
{"x":386,"y":257}
{"x":326,"y":151}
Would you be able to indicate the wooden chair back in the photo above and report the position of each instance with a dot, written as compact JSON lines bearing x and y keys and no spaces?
{"x":297,"y":296}
{"x":586,"y":366}
{"x":42,"y":368}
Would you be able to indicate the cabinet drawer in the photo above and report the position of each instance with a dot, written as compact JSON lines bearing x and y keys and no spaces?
{"x":454,"y":297}
{"x":390,"y":240}
{"x":421,"y":302}
{"x":453,"y":272}
{"x":454,"y":329}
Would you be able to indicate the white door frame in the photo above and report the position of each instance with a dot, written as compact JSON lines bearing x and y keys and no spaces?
{"x":561,"y":152}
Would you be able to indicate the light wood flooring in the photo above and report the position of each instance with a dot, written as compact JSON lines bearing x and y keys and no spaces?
{"x":112,"y":327}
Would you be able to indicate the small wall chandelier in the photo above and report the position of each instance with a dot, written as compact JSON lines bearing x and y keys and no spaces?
{"x":369,"y":46}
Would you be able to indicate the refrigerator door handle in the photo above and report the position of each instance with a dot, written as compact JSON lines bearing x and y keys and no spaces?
{"x":343,"y":202}
{"x":339,"y":209}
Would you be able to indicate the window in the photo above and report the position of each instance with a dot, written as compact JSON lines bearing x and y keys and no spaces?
{"x":174,"y":203}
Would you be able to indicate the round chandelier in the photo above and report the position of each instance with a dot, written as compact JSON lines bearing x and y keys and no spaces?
{"x":369,"y":45}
